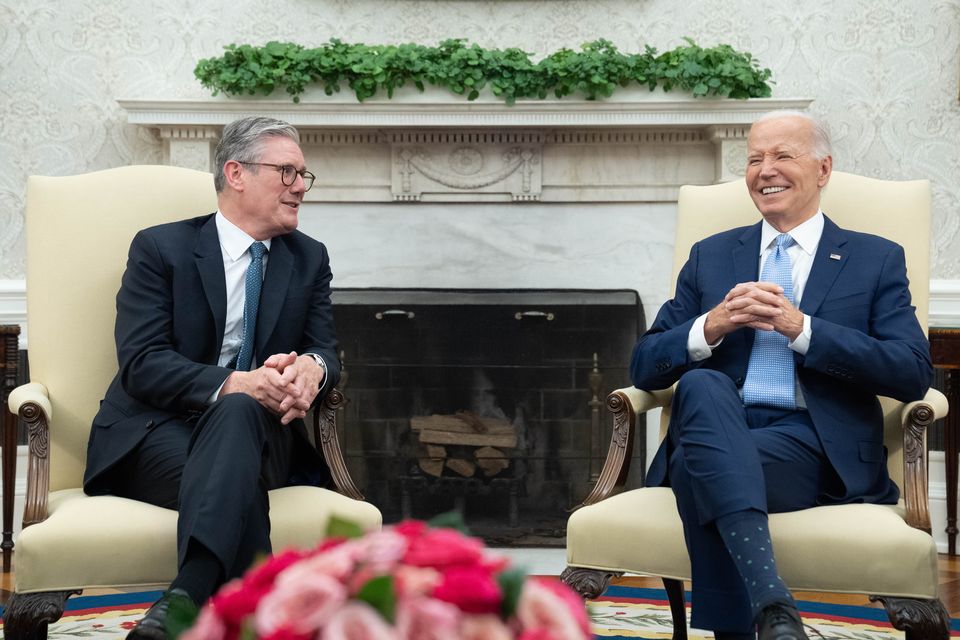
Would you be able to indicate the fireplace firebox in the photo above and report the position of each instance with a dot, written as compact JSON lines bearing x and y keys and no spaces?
{"x":485,"y":401}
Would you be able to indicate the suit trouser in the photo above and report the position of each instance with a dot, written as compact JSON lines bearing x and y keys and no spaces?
{"x":726,"y":458}
{"x":216,"y":472}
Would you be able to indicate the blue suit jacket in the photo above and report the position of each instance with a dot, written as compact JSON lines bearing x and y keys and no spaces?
{"x":866,"y":342}
{"x":171,"y":312}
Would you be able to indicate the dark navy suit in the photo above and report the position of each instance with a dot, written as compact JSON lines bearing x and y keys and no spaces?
{"x":171,"y":311}
{"x":865,"y":342}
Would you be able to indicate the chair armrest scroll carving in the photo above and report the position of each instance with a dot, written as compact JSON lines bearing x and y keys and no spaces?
{"x":624,"y":404}
{"x":325,"y":435}
{"x":32,"y":403}
{"x":916,"y":418}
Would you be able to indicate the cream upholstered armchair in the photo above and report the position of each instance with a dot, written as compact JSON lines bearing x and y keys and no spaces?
{"x":78,"y":231}
{"x":885,"y":551}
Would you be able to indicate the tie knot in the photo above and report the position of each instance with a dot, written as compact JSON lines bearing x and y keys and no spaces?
{"x":257,"y":249}
{"x":785,"y":241}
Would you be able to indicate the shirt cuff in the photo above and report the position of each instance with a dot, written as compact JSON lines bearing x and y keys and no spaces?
{"x":216,"y":394}
{"x":323,"y":365}
{"x":802,"y":343}
{"x":697,"y":347}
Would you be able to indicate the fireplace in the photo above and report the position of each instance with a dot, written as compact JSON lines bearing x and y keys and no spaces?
{"x":485,"y":401}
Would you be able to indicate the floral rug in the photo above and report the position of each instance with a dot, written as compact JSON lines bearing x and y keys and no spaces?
{"x":633,"y":612}
{"x":621,"y":612}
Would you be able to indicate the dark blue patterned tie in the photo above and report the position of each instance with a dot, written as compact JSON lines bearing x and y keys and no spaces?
{"x":254,"y":283}
{"x":770,"y":374}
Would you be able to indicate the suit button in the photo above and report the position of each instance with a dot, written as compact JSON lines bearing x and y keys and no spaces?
{"x":738,"y":382}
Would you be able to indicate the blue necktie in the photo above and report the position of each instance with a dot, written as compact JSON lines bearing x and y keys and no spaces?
{"x":770,"y":374}
{"x":254,"y":283}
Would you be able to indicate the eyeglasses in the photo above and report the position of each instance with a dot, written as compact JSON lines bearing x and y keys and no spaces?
{"x":288,"y":173}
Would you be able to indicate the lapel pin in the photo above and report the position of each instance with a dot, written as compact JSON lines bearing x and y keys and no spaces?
{"x":835,"y":256}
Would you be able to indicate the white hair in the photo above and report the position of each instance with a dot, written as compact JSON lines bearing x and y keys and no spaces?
{"x":822,"y":145}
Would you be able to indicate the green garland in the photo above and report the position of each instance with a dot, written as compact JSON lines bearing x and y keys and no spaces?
{"x":594,"y":72}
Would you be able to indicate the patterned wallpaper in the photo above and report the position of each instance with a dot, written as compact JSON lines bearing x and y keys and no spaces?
{"x":883,"y":72}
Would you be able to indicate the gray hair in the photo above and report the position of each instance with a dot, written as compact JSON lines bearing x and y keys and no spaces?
{"x":242,"y":141}
{"x":822,"y":145}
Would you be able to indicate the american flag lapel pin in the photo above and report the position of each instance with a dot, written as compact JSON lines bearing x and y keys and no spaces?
{"x":835,"y":256}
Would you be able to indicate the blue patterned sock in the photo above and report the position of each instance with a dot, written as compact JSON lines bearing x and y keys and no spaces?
{"x":747,"y":538}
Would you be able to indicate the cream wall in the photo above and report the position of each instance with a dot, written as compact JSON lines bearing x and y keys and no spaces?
{"x":883,"y":72}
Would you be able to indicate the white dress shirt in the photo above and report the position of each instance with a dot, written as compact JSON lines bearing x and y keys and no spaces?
{"x":235,"y":247}
{"x":807,"y":239}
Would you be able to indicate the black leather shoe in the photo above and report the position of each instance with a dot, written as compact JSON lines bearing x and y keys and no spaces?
{"x":153,"y":625}
{"x":780,"y":622}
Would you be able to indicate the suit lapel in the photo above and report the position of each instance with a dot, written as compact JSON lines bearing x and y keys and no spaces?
{"x":275,"y":284}
{"x":746,"y":255}
{"x":827,"y":264}
{"x":746,"y":265}
{"x":209,"y":261}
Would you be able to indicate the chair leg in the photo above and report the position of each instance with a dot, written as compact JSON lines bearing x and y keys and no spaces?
{"x":678,"y":609}
{"x":27,"y":615}
{"x":589,"y":583}
{"x":918,"y":619}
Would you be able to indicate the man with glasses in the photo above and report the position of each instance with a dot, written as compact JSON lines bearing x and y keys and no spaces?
{"x":225,"y":339}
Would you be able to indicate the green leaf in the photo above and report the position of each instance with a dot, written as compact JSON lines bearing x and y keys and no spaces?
{"x":450,"y":520}
{"x":181,"y":616}
{"x":341,"y":528}
{"x":511,"y":585}
{"x":379,"y":593}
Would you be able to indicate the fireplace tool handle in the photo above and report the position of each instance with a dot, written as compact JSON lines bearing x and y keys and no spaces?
{"x":380,"y":315}
{"x":520,"y":315}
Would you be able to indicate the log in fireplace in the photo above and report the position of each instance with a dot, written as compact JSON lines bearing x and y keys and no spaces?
{"x":485,"y":401}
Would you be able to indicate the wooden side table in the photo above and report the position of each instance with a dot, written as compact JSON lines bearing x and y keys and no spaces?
{"x":945,"y":351}
{"x":9,"y":363}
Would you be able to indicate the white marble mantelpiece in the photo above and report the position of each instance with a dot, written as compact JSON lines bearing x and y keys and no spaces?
{"x":430,"y":190}
{"x":635,"y":146}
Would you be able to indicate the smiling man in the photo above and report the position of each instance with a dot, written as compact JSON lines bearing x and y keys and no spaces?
{"x":225,"y":339}
{"x":781,"y":336}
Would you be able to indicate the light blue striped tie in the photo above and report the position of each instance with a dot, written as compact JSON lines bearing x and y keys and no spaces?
{"x":251,"y":304}
{"x":770,"y":374}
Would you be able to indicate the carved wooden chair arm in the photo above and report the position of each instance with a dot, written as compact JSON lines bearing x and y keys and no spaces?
{"x":624,"y":404}
{"x":325,"y":436}
{"x":32,"y":403}
{"x":916,"y":417}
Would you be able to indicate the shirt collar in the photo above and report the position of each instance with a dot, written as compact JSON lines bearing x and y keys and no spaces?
{"x":233,"y":240}
{"x":806,"y":235}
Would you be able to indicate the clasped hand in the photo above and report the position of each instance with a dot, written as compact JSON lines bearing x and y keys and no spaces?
{"x":759,"y":305}
{"x":285,"y":384}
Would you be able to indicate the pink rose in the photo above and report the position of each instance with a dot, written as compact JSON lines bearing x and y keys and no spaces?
{"x":337,"y":562}
{"x":357,"y":621}
{"x":427,"y":619}
{"x":472,"y":589}
{"x":300,"y":605}
{"x":486,"y":627}
{"x":410,"y":582}
{"x":441,"y":548}
{"x":381,"y":551}
{"x":550,"y":605}
{"x":208,"y":626}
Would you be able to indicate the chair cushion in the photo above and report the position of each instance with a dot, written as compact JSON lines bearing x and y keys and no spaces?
{"x":854,"y":548}
{"x":105,"y":541}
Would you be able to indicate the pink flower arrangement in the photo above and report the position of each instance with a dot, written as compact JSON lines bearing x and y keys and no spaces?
{"x":407,"y":582}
